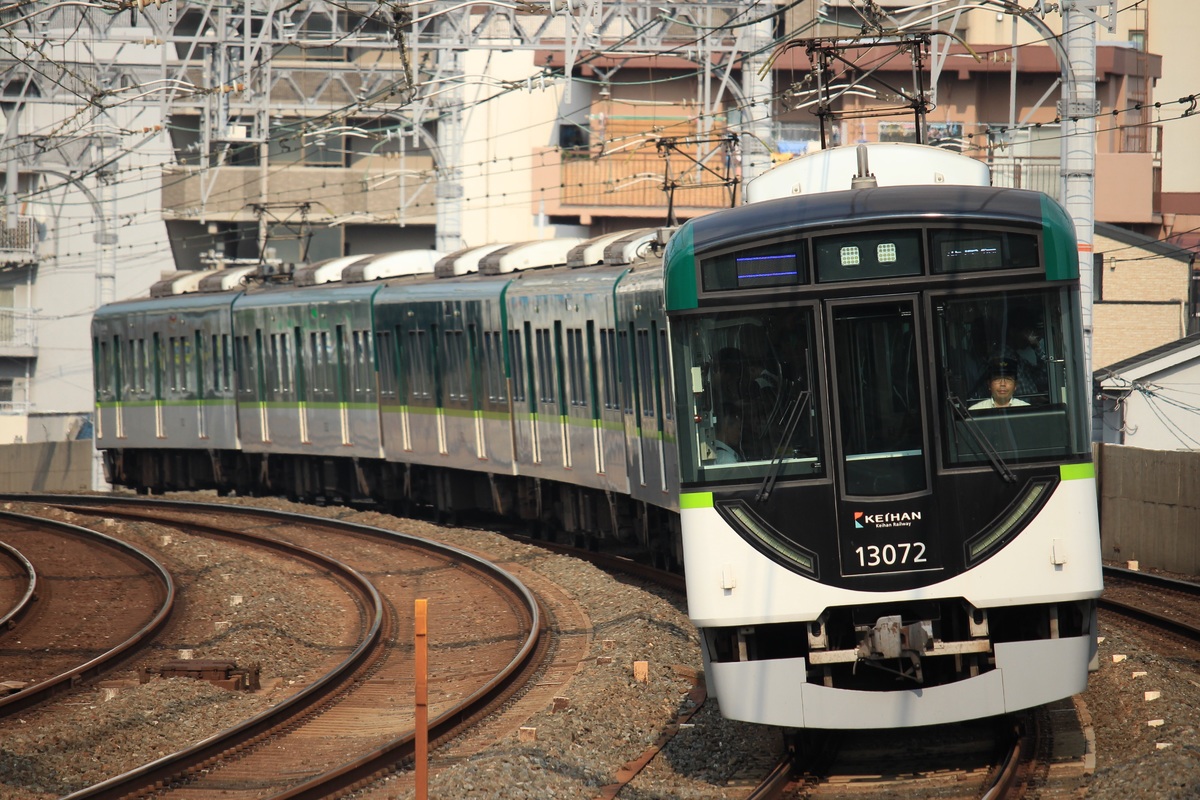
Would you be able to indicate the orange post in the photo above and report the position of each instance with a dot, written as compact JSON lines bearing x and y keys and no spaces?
{"x":420,"y":674}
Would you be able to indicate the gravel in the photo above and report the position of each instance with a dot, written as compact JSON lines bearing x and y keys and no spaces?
{"x":611,"y":719}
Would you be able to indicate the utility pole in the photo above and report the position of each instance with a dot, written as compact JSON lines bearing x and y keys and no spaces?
{"x":1078,"y":111}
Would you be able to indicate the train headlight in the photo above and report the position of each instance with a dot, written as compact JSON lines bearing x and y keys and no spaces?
{"x":766,"y":539}
{"x":1010,"y":521}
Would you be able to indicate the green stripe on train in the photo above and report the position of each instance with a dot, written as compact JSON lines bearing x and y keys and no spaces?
{"x":1075,"y":472}
{"x":695,"y":500}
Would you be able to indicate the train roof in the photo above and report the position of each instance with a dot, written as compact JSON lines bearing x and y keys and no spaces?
{"x":878,"y":205}
{"x":289,"y":295}
{"x":192,"y":301}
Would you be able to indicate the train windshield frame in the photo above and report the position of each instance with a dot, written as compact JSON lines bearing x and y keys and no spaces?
{"x":1028,"y":337}
{"x":753,"y":405}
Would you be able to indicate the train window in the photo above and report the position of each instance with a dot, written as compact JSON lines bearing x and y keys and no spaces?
{"x":592,"y":391}
{"x":623,"y":357}
{"x":287,"y":380}
{"x":493,"y":358}
{"x":274,"y":365}
{"x":608,"y":367}
{"x":198,"y":350}
{"x":418,"y":371}
{"x":226,"y":363}
{"x":384,"y":345}
{"x":244,"y":372}
{"x":361,"y":366}
{"x":545,"y":365}
{"x":663,"y":361}
{"x":318,"y":346}
{"x":975,"y":250}
{"x":215,"y":361}
{"x":645,"y":371}
{"x":781,"y":264}
{"x":867,"y":255}
{"x":1010,"y":377}
{"x":103,"y":369}
{"x":879,"y":398}
{"x":172,"y":364}
{"x":575,"y":367}
{"x":456,"y":366}
{"x":299,"y":385}
{"x":745,"y":402}
{"x":517,"y":361}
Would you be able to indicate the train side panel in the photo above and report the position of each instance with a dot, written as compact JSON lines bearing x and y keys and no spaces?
{"x":164,"y":390}
{"x":647,"y":393}
{"x":307,"y":372}
{"x":566,"y":425}
{"x":444,"y":394}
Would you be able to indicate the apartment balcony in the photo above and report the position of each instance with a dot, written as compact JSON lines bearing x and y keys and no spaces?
{"x":397,"y":191}
{"x":18,"y":245}
{"x":1127,"y":186}
{"x":630,"y":185}
{"x":18,"y":333}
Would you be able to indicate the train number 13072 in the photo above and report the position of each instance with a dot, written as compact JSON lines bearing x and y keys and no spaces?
{"x":890,"y":555}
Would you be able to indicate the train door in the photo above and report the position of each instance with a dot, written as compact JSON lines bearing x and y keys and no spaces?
{"x":261,"y":381}
{"x":560,"y":394}
{"x":884,"y":508}
{"x":629,"y":394}
{"x":158,"y":385}
{"x":474,"y":385}
{"x":649,"y":413}
{"x":301,"y":384}
{"x":593,"y":397}
{"x":343,"y":381}
{"x":198,"y":379}
{"x":437,"y":371}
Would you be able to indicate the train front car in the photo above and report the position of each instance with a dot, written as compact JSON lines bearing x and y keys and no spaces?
{"x":887,"y":495}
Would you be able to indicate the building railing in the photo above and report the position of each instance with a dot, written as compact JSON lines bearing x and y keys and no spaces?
{"x":18,"y":331}
{"x":18,"y":242}
{"x":1038,"y":174}
{"x":14,"y":407}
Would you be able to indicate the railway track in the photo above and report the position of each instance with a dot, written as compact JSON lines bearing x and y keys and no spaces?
{"x":79,"y":603}
{"x":355,"y":722}
{"x":991,"y":759}
{"x":913,"y":777}
{"x":1166,"y":603}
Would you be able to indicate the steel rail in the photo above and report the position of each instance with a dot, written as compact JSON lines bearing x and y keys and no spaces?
{"x":62,"y":682}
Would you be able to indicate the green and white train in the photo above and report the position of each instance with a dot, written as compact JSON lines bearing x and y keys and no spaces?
{"x":790,"y":401}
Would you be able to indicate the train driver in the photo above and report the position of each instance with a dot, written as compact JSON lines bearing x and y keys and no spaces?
{"x":1002,"y":384}
{"x":728,"y":431}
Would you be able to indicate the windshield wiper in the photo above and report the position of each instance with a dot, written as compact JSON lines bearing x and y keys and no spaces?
{"x":798,"y":404}
{"x":981,"y":439}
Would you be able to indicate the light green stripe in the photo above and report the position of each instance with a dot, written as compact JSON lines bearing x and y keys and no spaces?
{"x":1075,"y":472}
{"x":696,"y":500}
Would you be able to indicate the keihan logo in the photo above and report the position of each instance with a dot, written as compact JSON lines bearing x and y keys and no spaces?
{"x":893,"y":519}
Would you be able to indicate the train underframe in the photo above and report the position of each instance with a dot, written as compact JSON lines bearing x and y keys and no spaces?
{"x":581,"y":516}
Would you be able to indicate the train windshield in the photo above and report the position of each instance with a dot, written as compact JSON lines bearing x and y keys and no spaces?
{"x":751,"y":408}
{"x":1010,"y":385}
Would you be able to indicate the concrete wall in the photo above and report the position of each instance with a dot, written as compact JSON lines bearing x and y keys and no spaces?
{"x":47,"y":466}
{"x":1150,"y":507}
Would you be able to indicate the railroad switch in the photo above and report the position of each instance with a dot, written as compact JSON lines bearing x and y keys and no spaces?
{"x":225,"y":674}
